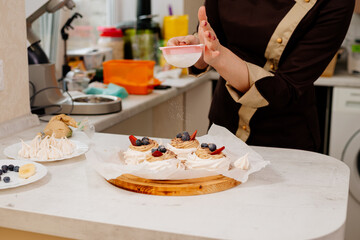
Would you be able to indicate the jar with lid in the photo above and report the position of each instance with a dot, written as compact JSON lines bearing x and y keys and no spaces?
{"x":112,"y":38}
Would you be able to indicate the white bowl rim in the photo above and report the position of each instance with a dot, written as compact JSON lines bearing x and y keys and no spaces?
{"x":182,"y":46}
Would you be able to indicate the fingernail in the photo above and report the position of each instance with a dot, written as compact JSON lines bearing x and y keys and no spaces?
{"x":209,"y":35}
{"x":214,"y":37}
{"x":205,"y":23}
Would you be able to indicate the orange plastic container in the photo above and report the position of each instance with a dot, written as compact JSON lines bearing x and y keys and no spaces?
{"x":136,"y":76}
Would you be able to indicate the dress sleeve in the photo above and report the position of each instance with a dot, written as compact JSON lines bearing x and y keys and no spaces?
{"x":301,"y":66}
{"x":193,"y":71}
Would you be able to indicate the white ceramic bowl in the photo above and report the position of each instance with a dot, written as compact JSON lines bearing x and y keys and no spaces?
{"x":182,"y":56}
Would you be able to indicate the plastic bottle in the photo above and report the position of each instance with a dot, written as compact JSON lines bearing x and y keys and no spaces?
{"x":113,"y":38}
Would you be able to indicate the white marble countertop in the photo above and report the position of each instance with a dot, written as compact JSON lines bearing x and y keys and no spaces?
{"x":300,"y":195}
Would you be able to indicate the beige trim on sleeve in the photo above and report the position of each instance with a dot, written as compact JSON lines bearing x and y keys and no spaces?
{"x":256,"y":73}
{"x":252,"y":98}
{"x":283,"y":32}
{"x":245,"y":114}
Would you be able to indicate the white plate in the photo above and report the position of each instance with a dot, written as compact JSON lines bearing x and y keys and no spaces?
{"x":12,"y":152}
{"x":15,"y":180}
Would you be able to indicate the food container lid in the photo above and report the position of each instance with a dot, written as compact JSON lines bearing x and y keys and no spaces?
{"x":110,"y":32}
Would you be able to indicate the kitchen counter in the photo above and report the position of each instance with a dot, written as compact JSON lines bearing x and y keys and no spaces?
{"x":135,"y":104}
{"x":340,"y":79}
{"x":300,"y":195}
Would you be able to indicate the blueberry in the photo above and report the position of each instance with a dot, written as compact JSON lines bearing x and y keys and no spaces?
{"x":162,"y":148}
{"x":153,"y":150}
{"x":11,"y":167}
{"x":204,"y":145}
{"x":212,"y":147}
{"x":145,"y":141}
{"x":16,"y":169}
{"x":179,"y":135}
{"x":185,"y":137}
{"x":186,"y":133}
{"x":138,"y":142}
{"x":6,"y":179}
{"x":0,"y":172}
{"x":4,"y":168}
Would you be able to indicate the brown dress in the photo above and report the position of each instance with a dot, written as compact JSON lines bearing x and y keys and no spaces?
{"x":286,"y":45}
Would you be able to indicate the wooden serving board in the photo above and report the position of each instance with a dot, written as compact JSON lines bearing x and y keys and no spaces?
{"x":185,"y":187}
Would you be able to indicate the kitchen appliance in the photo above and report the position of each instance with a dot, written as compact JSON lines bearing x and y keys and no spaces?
{"x":345,"y":145}
{"x":46,"y":93}
{"x":141,"y":37}
{"x":91,"y":57}
{"x":354,"y":58}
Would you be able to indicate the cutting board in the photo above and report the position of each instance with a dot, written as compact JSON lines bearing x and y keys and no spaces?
{"x":185,"y":187}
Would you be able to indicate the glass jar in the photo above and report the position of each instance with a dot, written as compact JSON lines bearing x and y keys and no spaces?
{"x":112,"y":38}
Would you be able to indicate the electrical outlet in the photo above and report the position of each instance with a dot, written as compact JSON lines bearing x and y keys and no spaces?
{"x":1,"y":75}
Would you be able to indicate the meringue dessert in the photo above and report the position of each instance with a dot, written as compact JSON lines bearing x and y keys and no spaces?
{"x":243,"y":162}
{"x":58,"y":126}
{"x":208,"y":157}
{"x":46,"y":148}
{"x":138,"y":149}
{"x":183,"y":144}
{"x":161,"y":158}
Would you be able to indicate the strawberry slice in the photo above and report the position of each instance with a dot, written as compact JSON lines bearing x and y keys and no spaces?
{"x":157,"y":153}
{"x":193,"y":135}
{"x":217,"y":151}
{"x":133,"y":140}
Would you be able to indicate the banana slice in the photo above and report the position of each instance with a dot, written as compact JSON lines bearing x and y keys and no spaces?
{"x":27,"y":170}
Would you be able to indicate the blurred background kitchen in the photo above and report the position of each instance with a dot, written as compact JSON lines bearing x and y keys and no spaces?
{"x":80,"y":51}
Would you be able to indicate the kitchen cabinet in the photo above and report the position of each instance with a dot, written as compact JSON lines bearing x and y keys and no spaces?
{"x":187,"y":111}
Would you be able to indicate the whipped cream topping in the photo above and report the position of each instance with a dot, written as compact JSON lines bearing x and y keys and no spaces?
{"x":47,"y":148}
{"x":243,"y":162}
{"x":167,"y":155}
{"x":210,"y":164}
{"x":181,"y":153}
{"x":205,"y":153}
{"x":178,"y":143}
{"x":145,"y":148}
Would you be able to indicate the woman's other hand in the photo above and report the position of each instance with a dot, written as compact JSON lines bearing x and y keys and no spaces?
{"x":208,"y":37}
{"x":232,"y":68}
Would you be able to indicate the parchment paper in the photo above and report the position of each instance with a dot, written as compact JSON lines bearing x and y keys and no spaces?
{"x":109,"y":163}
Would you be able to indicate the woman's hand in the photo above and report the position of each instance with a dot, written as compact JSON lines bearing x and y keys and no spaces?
{"x":183,"y":40}
{"x":188,"y":40}
{"x":208,"y":37}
